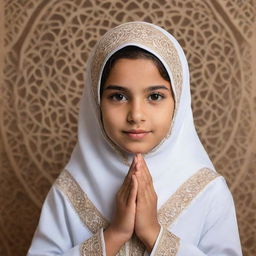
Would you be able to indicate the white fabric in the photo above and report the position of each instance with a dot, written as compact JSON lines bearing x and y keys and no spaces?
{"x":95,"y":164}
{"x":207,"y":227}
{"x":100,"y":171}
{"x":213,"y":229}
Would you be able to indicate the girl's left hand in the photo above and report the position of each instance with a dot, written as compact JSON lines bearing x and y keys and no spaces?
{"x":147,"y":227}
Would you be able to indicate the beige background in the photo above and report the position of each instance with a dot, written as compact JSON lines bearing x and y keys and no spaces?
{"x":43,"y":49}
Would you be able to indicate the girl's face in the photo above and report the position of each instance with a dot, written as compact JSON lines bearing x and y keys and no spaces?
{"x":136,"y":105}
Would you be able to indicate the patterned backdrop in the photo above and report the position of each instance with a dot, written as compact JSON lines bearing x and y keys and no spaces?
{"x":44,"y":46}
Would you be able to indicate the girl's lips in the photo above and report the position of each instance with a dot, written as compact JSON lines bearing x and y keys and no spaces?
{"x":136,"y":134}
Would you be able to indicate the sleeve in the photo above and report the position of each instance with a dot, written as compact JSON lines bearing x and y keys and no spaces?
{"x":219,"y":237}
{"x":60,"y":231}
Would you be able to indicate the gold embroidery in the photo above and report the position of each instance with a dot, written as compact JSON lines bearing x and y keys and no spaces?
{"x":168,"y":244}
{"x":169,"y":212}
{"x":93,"y":219}
{"x":136,"y":246}
{"x":139,"y":34}
{"x":122,"y":251}
{"x":92,"y":246}
{"x":85,"y":209}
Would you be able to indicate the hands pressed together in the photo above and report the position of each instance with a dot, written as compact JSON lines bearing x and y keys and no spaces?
{"x":136,"y":210}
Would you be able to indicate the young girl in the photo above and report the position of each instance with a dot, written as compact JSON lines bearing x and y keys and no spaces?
{"x":139,"y":181}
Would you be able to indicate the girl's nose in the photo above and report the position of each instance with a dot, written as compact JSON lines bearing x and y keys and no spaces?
{"x":136,"y":112}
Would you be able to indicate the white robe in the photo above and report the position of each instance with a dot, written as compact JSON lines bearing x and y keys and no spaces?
{"x":199,"y":218}
{"x":201,"y":214}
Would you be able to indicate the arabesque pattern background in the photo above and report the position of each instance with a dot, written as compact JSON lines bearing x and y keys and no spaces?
{"x":43,"y":49}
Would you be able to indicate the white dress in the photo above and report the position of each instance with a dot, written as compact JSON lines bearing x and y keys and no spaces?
{"x":198,"y":219}
{"x":195,"y":207}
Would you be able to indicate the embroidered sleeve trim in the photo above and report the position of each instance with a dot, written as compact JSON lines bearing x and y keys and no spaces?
{"x":168,"y":244}
{"x":88,"y":213}
{"x":122,"y":251}
{"x":92,"y":246}
{"x":136,"y":247}
{"x":94,"y":221}
{"x":169,"y":212}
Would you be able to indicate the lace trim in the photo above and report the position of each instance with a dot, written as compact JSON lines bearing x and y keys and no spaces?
{"x":88,"y":213}
{"x":139,"y":34}
{"x":94,"y":220}
{"x":168,"y":244}
{"x":92,"y":246}
{"x":122,"y":251}
{"x":184,"y":195}
{"x":136,"y":246}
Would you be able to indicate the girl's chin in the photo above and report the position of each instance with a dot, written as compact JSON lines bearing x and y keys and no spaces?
{"x":135,"y":150}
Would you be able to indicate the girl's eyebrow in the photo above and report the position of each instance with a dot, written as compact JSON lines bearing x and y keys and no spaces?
{"x":116,"y":87}
{"x":150,"y":88}
{"x":157,"y":87}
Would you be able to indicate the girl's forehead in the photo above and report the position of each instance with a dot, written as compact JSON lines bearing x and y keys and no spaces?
{"x":139,"y":65}
{"x":135,"y":71}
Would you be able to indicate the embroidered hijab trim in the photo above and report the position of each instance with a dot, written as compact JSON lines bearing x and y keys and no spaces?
{"x":138,"y":34}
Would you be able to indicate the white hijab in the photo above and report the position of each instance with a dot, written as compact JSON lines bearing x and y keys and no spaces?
{"x":96,"y":163}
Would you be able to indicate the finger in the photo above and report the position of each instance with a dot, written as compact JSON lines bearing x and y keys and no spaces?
{"x":127,"y":178}
{"x":143,"y":164}
{"x":144,"y":168}
{"x":131,"y":169}
{"x":124,"y":189}
{"x":132,"y":165}
{"x":126,"y":192}
{"x":140,"y":173}
{"x":145,"y":195}
{"x":133,"y":191}
{"x":146,"y":188}
{"x":141,"y":170}
{"x":141,"y":185}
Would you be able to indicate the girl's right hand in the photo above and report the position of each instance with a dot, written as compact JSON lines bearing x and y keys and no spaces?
{"x":122,"y":226}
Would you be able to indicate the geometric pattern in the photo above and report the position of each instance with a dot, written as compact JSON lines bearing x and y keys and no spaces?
{"x":43,"y":50}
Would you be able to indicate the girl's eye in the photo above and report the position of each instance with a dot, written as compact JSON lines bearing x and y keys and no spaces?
{"x":118,"y":97}
{"x":155,"y":97}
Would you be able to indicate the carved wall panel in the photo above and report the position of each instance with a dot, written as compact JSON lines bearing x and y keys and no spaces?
{"x":44,"y":46}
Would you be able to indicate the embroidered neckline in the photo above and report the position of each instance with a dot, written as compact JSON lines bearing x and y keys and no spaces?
{"x":88,"y":213}
{"x":184,"y":195}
